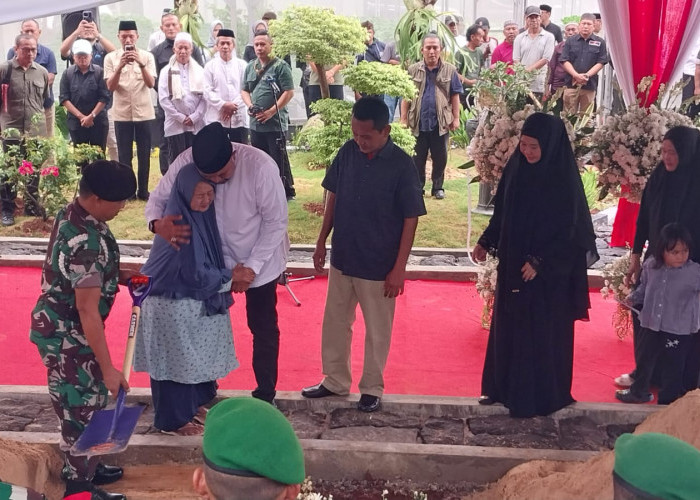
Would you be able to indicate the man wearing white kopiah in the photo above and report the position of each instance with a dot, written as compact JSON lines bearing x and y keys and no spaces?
{"x":223,"y":80}
{"x":251,"y":214}
{"x":181,"y":96}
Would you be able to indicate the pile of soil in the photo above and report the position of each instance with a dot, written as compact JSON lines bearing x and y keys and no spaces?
{"x":547,"y":480}
{"x":32,"y":466}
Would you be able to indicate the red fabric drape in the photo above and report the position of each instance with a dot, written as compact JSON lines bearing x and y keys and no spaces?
{"x":658,"y":27}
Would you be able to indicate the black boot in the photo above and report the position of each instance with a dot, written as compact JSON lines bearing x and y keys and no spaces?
{"x":107,"y":474}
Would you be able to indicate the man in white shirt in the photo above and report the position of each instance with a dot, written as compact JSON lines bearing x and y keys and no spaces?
{"x":251,"y":214}
{"x":223,"y":79}
{"x":181,"y":96}
{"x":533,"y":49}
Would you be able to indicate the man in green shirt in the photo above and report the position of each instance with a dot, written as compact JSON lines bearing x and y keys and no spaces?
{"x":469,"y":63}
{"x":267,"y":89}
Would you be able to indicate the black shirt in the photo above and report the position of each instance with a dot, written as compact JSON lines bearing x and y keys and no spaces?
{"x":373,"y":197}
{"x":84,"y":91}
{"x":583,"y":55}
{"x":554,"y":30}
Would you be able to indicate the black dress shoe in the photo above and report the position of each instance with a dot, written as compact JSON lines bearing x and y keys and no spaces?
{"x":368,"y":403}
{"x":316,"y":391}
{"x":486,"y":400}
{"x":107,"y":474}
{"x":439,"y":194}
{"x":74,"y":487}
{"x":143,"y":196}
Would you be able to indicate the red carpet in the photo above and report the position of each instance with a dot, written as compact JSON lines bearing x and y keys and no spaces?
{"x":438,"y":343}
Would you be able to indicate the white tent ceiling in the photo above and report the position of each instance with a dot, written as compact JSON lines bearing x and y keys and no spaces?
{"x":16,"y":10}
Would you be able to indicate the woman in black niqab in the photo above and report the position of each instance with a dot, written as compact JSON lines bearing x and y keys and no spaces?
{"x":542,"y":233}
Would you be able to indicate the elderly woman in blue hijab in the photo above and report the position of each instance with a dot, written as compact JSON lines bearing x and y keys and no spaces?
{"x":185,"y":340}
{"x":542,"y":232}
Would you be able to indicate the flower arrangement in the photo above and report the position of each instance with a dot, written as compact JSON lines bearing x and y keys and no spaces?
{"x":616,"y":288}
{"x":486,"y":287}
{"x":628,"y":147}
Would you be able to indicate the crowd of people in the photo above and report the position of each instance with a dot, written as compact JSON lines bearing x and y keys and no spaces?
{"x":219,"y":216}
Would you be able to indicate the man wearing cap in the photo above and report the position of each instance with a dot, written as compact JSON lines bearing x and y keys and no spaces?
{"x":223,"y":82}
{"x":451,"y":23}
{"x":44,"y":57}
{"x":130,"y":73}
{"x":84,"y":94}
{"x":546,"y":16}
{"x":504,"y":51}
{"x":79,"y":283}
{"x":583,"y":56}
{"x":370,"y":175}
{"x":252,"y":221}
{"x":250,"y":451}
{"x":87,"y":30}
{"x":557,"y":73}
{"x":267,"y":89}
{"x":181,"y":97}
{"x":533,"y":49}
{"x":25,"y":88}
{"x":434,"y":112}
{"x":488,"y":43}
{"x":654,"y":466}
{"x":598,"y":25}
{"x":163,"y":54}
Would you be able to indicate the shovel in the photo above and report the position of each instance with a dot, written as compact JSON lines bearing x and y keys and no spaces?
{"x":109,"y":431}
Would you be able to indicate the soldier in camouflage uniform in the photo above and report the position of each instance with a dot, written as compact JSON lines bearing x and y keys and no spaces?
{"x":79,"y":284}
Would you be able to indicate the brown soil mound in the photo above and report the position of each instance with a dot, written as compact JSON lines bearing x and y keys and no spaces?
{"x":592,"y":479}
{"x":32,"y":466}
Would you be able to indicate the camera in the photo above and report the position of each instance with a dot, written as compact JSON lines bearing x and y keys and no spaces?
{"x":254,"y":110}
{"x":129,"y":47}
{"x":87,"y":16}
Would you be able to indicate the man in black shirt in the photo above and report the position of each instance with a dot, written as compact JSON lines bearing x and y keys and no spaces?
{"x":584,"y":55}
{"x":170,"y":25}
{"x":545,"y":15}
{"x":374,"y":201}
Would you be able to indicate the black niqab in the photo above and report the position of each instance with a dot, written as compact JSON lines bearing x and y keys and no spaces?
{"x":673,"y":196}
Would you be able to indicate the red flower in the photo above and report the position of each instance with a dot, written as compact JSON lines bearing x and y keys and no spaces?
{"x":26,"y":168}
{"x":50,"y":171}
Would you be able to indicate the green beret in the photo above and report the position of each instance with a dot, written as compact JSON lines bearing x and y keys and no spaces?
{"x":251,"y":438}
{"x":658,"y":464}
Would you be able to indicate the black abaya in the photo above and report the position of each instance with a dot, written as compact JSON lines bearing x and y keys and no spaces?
{"x":540,"y":217}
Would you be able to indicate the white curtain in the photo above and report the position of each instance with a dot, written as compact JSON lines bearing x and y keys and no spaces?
{"x":17,"y":10}
{"x":616,"y":18}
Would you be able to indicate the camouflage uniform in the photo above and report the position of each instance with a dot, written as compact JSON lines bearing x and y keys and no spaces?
{"x":82,"y":253}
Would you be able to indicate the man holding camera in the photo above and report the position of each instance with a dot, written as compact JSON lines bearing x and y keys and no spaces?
{"x":267,"y":89}
{"x":130,"y":73}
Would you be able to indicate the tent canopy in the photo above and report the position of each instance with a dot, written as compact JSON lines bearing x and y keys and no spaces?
{"x":13,"y":11}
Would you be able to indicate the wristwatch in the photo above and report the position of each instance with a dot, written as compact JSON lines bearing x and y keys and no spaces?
{"x":152,"y":226}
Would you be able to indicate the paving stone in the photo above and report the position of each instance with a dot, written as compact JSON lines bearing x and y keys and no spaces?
{"x":438,"y":260}
{"x":501,"y":425}
{"x":582,"y":433}
{"x":369,"y":433}
{"x":614,"y":431}
{"x":13,"y":423}
{"x":307,"y":425}
{"x":350,"y":417}
{"x":145,"y":422}
{"x":514,"y":441}
{"x":46,"y":421}
{"x":21,"y":408}
{"x":443,"y":431}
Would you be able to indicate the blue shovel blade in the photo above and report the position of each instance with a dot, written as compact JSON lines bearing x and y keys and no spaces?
{"x":109,"y":431}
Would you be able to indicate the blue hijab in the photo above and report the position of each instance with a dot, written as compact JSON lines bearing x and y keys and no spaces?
{"x":196,"y":271}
